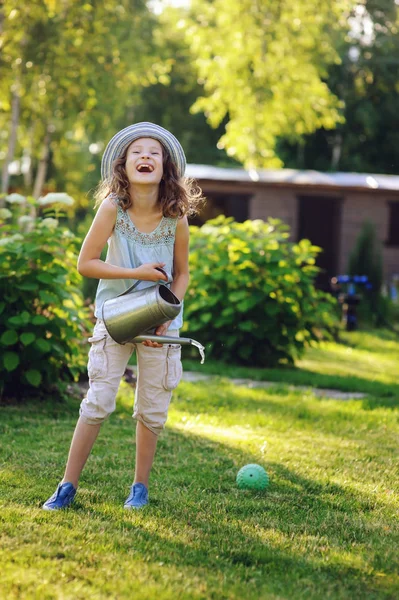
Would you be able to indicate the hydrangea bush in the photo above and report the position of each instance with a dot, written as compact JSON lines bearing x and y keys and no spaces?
{"x":252,"y":298}
{"x":43,"y":320}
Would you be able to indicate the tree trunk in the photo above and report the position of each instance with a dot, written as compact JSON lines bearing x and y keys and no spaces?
{"x":300,"y":155}
{"x":27,"y":173}
{"x":336,"y":151}
{"x":42,"y":168}
{"x":12,"y":141}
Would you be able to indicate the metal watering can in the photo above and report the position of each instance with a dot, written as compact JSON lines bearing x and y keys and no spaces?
{"x":134,"y":316}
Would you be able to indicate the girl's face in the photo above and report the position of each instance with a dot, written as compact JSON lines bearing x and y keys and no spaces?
{"x":144,"y":161}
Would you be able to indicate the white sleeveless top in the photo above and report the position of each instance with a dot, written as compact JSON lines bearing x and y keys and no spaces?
{"x":128,"y":247}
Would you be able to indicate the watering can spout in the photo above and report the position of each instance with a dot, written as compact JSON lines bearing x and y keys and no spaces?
{"x":168,"y":339}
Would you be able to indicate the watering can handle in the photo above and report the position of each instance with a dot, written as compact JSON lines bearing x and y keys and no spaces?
{"x":135,"y":284}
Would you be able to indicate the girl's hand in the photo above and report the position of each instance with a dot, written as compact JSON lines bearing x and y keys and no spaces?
{"x":161,"y":330}
{"x":150,"y":272}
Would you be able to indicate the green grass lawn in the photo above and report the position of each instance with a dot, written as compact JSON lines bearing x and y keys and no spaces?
{"x":361,"y":362}
{"x":327,"y":526}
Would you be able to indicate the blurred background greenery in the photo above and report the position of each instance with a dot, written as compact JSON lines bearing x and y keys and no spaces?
{"x":257,"y":83}
{"x":303,"y":84}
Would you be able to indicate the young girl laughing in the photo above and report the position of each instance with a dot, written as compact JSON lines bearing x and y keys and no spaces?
{"x":144,"y":201}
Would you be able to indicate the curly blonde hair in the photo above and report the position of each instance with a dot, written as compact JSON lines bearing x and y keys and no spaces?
{"x":178,"y":196}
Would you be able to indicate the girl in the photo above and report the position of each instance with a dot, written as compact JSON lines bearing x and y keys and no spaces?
{"x":144,"y":220}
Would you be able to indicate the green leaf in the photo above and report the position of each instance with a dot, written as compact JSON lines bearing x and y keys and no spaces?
{"x":34,"y":377}
{"x":46,"y":297}
{"x":247,"y":326}
{"x":238,"y":295}
{"x":205,"y":317}
{"x":39,"y":320}
{"x":43,"y":345}
{"x":30,"y":247}
{"x":9,"y":337}
{"x":28,"y":286}
{"x":45,"y":278}
{"x":2,"y":306}
{"x":25,"y":316}
{"x":27,"y":338}
{"x":17,"y":320}
{"x":10,"y":361}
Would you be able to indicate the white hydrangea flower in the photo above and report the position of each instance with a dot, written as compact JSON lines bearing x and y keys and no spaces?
{"x":16,"y":199}
{"x":49,"y":222}
{"x":5,"y":213}
{"x":56,"y":198}
{"x":13,"y":238}
{"x":24,"y":220}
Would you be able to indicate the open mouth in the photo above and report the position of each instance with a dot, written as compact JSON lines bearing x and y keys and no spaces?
{"x":144,"y":168}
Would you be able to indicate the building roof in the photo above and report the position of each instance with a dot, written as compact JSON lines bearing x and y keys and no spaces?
{"x":367,"y":181}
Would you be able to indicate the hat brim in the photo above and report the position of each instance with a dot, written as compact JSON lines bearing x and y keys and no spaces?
{"x":122,"y":140}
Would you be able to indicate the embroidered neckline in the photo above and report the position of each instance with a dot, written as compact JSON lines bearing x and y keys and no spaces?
{"x":144,"y":232}
{"x":162,"y":235}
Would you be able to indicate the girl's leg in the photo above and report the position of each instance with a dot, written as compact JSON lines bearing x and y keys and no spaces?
{"x":146,"y":444}
{"x":82,"y":442}
{"x":107,"y":363}
{"x":159,"y":372}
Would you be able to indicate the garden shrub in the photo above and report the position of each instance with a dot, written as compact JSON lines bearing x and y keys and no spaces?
{"x":43,"y":321}
{"x":366,"y":259}
{"x":252,"y":298}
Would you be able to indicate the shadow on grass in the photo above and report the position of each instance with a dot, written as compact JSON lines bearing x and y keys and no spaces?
{"x":294,"y":540}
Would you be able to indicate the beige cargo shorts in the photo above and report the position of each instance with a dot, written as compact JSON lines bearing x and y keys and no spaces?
{"x":158,"y":374}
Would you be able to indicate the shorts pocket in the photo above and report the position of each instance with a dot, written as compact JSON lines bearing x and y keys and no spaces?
{"x":97,"y":364}
{"x":173,"y":367}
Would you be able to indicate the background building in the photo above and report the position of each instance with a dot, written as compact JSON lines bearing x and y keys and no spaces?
{"x":327,"y":208}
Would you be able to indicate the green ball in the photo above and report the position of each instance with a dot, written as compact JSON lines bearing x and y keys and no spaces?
{"x":252,"y":477}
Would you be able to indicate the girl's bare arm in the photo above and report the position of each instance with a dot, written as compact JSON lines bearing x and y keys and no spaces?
{"x":89,"y":262}
{"x":181,"y":275}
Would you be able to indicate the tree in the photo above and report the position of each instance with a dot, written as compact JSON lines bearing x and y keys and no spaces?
{"x":366,"y":81}
{"x":168,"y":101}
{"x":78,"y":67}
{"x":262,"y":65}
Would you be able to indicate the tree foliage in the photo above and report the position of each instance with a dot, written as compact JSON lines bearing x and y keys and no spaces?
{"x":366,"y":82}
{"x":168,"y":102}
{"x":76,"y":68}
{"x":280,"y":83}
{"x":262,"y":64}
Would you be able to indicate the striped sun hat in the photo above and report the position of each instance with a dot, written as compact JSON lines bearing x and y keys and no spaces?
{"x":122,"y":140}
